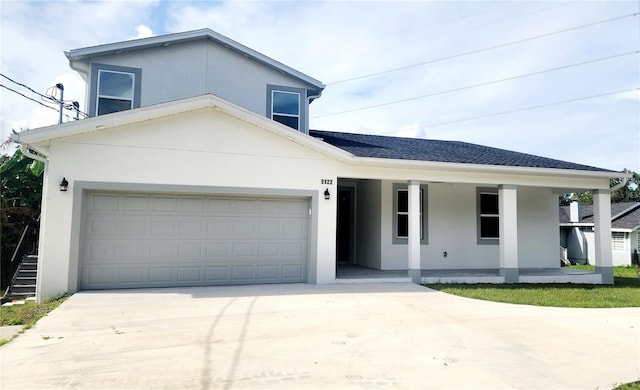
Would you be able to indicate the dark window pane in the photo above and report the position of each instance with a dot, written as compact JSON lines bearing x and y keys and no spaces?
{"x":286,"y":103}
{"x":489,"y":227}
{"x":403,"y":201}
{"x":118,"y":85}
{"x":107,"y":106}
{"x":488,"y":203}
{"x":290,"y":121}
{"x":403,"y":225}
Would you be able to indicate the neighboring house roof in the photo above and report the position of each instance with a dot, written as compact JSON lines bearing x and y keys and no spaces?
{"x":625,"y":215}
{"x":363,"y":145}
{"x":84,"y":54}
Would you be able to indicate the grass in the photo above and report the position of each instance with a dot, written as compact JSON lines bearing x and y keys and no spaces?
{"x":27,"y":314}
{"x":625,"y":292}
{"x":629,"y":386}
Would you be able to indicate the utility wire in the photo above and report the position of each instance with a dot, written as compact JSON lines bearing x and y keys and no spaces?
{"x":333,"y":45}
{"x":484,"y":49}
{"x":477,"y":85}
{"x":34,"y":100}
{"x":47,"y":98}
{"x":433,"y":37}
{"x":25,"y":96}
{"x":25,"y":86}
{"x":471,"y":118}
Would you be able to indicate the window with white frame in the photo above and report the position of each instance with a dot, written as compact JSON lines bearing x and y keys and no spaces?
{"x":113,"y":89}
{"x":618,"y":241}
{"x":488,"y":216}
{"x":287,"y":105}
{"x":285,"y":108}
{"x":401,"y":214}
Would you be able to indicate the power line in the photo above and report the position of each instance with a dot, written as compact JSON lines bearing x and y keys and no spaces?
{"x":433,"y":37}
{"x":477,"y":85}
{"x":484,"y":49}
{"x":520,"y":109}
{"x":68,"y":104}
{"x":333,"y":45}
{"x":25,"y":96}
{"x":25,"y":86}
{"x":33,"y":100}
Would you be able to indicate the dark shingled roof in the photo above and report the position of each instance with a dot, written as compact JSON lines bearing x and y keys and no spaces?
{"x":363,"y":145}
{"x":629,"y":220}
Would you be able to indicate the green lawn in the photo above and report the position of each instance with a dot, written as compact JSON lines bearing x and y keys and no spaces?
{"x":27,"y":314}
{"x":629,"y":386}
{"x":624,"y":293}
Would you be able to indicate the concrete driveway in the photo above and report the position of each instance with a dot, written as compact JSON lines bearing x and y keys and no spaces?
{"x":306,"y":336}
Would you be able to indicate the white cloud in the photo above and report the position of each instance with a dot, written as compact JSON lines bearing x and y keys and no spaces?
{"x":334,"y":41}
{"x":143,"y":32}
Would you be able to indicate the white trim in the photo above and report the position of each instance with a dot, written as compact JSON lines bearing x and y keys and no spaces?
{"x":99,"y":96}
{"x":209,"y":101}
{"x":45,"y":134}
{"x":78,"y":55}
{"x":499,"y":169}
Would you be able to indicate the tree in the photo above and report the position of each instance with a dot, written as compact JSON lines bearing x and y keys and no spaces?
{"x":20,"y":197}
{"x":630,"y":192}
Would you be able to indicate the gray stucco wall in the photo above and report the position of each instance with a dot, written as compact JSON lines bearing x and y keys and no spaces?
{"x":199,"y":67}
{"x":368,"y":223}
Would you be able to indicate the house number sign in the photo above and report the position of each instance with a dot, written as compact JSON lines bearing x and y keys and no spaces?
{"x":328,"y":182}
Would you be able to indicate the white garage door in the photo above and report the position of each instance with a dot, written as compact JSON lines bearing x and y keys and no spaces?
{"x":152,"y":240}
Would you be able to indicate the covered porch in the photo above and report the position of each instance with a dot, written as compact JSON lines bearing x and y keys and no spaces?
{"x":464,"y":231}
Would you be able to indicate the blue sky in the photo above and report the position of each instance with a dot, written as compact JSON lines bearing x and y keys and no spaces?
{"x":583,"y":113}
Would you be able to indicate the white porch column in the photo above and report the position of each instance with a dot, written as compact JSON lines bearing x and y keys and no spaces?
{"x":508,"y":210}
{"x":414,"y":231}
{"x":602,"y":228}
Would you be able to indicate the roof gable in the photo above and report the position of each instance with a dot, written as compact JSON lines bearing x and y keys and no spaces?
{"x":83,"y":54}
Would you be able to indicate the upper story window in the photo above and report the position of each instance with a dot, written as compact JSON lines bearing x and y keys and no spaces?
{"x":113,"y":89}
{"x":401,"y":214}
{"x":488,"y":216}
{"x":285,"y":108}
{"x":286,"y":105}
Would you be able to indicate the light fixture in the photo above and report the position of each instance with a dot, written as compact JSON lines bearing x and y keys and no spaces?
{"x":64,"y":184}
{"x":327,"y":194}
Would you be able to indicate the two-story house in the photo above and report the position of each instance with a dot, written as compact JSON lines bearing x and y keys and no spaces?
{"x":197,"y":167}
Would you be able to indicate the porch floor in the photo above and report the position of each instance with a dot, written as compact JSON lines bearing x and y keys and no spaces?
{"x":351,"y":273}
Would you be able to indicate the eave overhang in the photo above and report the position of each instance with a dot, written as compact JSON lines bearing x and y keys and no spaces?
{"x":39,"y":140}
{"x":84,"y":54}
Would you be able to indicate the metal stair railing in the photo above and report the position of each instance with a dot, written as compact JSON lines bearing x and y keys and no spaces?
{"x":27,"y":245}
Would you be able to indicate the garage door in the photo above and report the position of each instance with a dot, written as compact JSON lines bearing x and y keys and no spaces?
{"x":134,"y":240}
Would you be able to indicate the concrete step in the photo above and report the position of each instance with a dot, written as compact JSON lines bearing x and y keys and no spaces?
{"x":18,"y":296}
{"x":30,"y":259}
{"x":23,"y":288}
{"x":26,"y":280}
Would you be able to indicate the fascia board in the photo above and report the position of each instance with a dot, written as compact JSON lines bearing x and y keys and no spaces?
{"x":491,"y":169}
{"x":103,"y":122}
{"x":576,"y":224}
{"x":170,"y":39}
